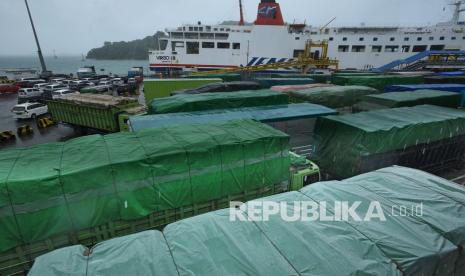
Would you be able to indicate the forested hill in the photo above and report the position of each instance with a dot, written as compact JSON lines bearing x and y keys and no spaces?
{"x":136,"y":49}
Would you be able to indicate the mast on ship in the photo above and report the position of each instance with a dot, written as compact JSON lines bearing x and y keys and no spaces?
{"x":241,"y":22}
{"x":457,"y":11}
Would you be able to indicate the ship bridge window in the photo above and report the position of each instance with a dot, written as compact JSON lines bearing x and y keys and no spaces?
{"x":297,"y":38}
{"x":375,"y":39}
{"x":177,"y":44}
{"x":376,"y":48}
{"x":236,"y":46}
{"x":176,"y":35}
{"x":223,"y":45}
{"x":208,"y":28}
{"x":331,"y":38}
{"x":208,"y":44}
{"x":391,"y":48}
{"x":343,"y":48}
{"x":200,"y":29}
{"x":405,"y":49}
{"x":191,"y":29}
{"x":358,"y":48}
{"x":215,"y":29}
{"x":196,"y":29}
{"x":419,"y":48}
{"x":192,"y":48}
{"x":344,"y":39}
{"x":191,"y":35}
{"x":392,"y":39}
{"x":419,"y":38}
{"x":314,"y":33}
{"x":406,"y":38}
{"x":453,"y":38}
{"x":441,"y":38}
{"x":221,"y":36}
{"x":207,"y":36}
{"x":437,"y":47}
{"x":221,"y":29}
{"x":431,"y":38}
{"x":361,"y":39}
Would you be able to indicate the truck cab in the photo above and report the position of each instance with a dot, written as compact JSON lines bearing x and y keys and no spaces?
{"x":303,"y":172}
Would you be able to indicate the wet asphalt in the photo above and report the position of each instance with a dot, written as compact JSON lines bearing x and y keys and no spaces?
{"x":57,"y":132}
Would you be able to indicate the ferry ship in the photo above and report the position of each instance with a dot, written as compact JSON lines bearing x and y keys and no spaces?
{"x":198,"y":47}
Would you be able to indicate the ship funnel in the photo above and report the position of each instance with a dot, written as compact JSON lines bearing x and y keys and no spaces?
{"x":269,"y":13}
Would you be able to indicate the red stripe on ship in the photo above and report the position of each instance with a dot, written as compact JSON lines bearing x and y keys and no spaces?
{"x":193,"y":65}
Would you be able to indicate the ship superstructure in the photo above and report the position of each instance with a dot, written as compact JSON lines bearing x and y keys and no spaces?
{"x":269,"y":39}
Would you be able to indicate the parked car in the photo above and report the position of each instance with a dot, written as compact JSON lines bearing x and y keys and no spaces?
{"x":40,"y":86}
{"x":31,"y":82}
{"x":48,"y":90}
{"x":8,"y":88}
{"x":117,"y":81}
{"x":57,"y":80}
{"x":29,"y":94}
{"x":29,"y":110}
{"x":62,"y":92}
{"x":106,"y":82}
{"x":77,"y":85}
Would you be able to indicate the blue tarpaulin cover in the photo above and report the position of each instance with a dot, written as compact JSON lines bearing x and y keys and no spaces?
{"x":274,"y":113}
{"x":413,"y":87}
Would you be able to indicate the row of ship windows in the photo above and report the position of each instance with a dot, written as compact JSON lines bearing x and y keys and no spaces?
{"x":431,"y":38}
{"x":209,"y":29}
{"x":391,"y":48}
{"x":192,"y":48}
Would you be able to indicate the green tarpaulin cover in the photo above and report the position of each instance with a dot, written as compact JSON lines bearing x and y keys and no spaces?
{"x":342,"y":141}
{"x":60,"y":187}
{"x":332,"y":96}
{"x":419,"y":97}
{"x":208,"y":101}
{"x":273,"y":113}
{"x":379,"y":82}
{"x":427,"y":240}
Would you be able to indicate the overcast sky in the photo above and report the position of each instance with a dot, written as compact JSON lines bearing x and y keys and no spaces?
{"x":76,"y":26}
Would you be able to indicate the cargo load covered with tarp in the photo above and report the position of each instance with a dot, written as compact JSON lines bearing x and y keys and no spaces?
{"x":422,"y":242}
{"x":209,"y":101}
{"x":445,"y":79}
{"x":269,"y":82}
{"x":379,"y":82}
{"x":441,"y":87}
{"x":297,"y":120}
{"x":332,"y":96}
{"x":290,"y":88}
{"x":60,"y":188}
{"x":409,"y":98}
{"x":221,"y":87}
{"x":425,"y":137}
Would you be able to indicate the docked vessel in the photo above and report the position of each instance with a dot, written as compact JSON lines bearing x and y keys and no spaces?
{"x":269,"y":39}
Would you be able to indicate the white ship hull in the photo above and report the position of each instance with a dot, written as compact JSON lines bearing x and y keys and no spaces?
{"x":207,"y":47}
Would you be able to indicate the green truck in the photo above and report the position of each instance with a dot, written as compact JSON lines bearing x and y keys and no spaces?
{"x":161,"y":88}
{"x":97,"y":187}
{"x":100,"y":112}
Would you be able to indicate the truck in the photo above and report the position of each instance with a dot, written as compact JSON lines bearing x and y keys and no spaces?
{"x":104,"y":113}
{"x":138,"y":181}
